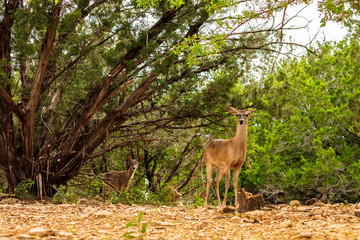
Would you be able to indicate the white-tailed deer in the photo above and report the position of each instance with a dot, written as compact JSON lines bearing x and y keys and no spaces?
{"x":224,"y":155}
{"x":117,"y":180}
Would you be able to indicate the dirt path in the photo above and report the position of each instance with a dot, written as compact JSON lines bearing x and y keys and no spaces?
{"x":96,"y":220}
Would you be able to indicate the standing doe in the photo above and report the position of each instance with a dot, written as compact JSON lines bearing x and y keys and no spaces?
{"x":117,"y":180}
{"x":223,"y":155}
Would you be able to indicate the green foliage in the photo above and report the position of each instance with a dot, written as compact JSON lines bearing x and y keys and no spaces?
{"x":212,"y":5}
{"x":307,"y":138}
{"x":341,"y":10}
{"x":25,"y":189}
{"x":166,"y":195}
{"x":306,"y":131}
{"x":211,"y":46}
{"x":141,"y":227}
{"x":129,"y":196}
{"x":65,"y":195}
{"x":3,"y":183}
{"x":198,"y":201}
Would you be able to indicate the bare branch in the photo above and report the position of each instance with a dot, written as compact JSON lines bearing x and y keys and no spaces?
{"x":281,"y":40}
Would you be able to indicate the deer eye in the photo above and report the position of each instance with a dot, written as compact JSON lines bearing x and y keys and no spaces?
{"x":237,"y":114}
{"x":246,"y":115}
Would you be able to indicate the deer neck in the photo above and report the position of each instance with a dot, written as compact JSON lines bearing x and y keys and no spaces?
{"x":241,"y":133}
{"x":130,"y":173}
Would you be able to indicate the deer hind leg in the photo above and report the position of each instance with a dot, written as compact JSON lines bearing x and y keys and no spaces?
{"x":209,"y":172}
{"x":219,"y":175}
{"x":236,"y":183}
{"x":227,"y":184}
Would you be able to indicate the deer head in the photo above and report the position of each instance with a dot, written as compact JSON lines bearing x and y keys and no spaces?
{"x":134,"y":163}
{"x":242,"y":115}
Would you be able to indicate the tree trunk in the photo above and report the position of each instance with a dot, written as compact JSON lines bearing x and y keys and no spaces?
{"x":150,"y":173}
{"x":8,"y":154}
{"x":74,"y":148}
{"x":19,"y":163}
{"x":54,"y":157}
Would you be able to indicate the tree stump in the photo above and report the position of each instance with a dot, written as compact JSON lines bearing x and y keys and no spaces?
{"x":249,"y":202}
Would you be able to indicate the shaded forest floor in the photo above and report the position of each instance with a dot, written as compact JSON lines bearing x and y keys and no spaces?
{"x":98,"y":220}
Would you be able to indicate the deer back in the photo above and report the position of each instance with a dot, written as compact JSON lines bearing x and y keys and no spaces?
{"x":122,"y":179}
{"x":117,"y":179}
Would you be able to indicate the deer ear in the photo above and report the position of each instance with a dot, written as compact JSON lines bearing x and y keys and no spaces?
{"x":252,"y":111}
{"x":140,"y":158}
{"x":232,"y":110}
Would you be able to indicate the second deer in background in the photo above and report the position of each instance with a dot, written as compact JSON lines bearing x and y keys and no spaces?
{"x":117,"y":180}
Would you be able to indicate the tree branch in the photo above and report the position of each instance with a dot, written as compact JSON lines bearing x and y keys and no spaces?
{"x":28,"y":128}
{"x":12,"y":105}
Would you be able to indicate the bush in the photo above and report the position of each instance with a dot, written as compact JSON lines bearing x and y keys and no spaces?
{"x":25,"y":189}
{"x":65,"y":195}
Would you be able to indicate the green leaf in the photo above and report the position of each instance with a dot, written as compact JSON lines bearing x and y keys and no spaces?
{"x":128,"y":235}
{"x":131,"y":224}
{"x":140,"y":217}
{"x":144,"y":227}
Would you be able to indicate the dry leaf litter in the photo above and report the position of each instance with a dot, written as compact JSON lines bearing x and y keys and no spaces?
{"x":99,"y":220}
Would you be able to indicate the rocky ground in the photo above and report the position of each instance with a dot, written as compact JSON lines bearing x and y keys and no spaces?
{"x":99,"y":220}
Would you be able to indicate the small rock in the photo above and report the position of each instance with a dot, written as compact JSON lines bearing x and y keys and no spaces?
{"x":288,"y":224}
{"x":163,"y":223}
{"x":337,"y":226}
{"x":312,"y":201}
{"x":102,"y":214}
{"x":305,"y":235}
{"x":20,"y":237}
{"x":255,"y":213}
{"x":251,"y":221}
{"x":357,"y":213}
{"x":41,"y":232}
{"x":228,"y":210}
{"x":202,"y":225}
{"x":356,"y":227}
{"x":319,"y":204}
{"x":295,"y":203}
{"x":176,"y":204}
{"x":64,"y":234}
{"x":304,"y":209}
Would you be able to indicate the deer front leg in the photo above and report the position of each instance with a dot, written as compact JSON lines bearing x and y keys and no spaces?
{"x":209,"y":172}
{"x":236,"y":183}
{"x":104,"y":190}
{"x":219,"y":175}
{"x":227,"y":184}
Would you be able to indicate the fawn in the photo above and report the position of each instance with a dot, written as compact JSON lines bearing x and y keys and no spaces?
{"x":117,"y":180}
